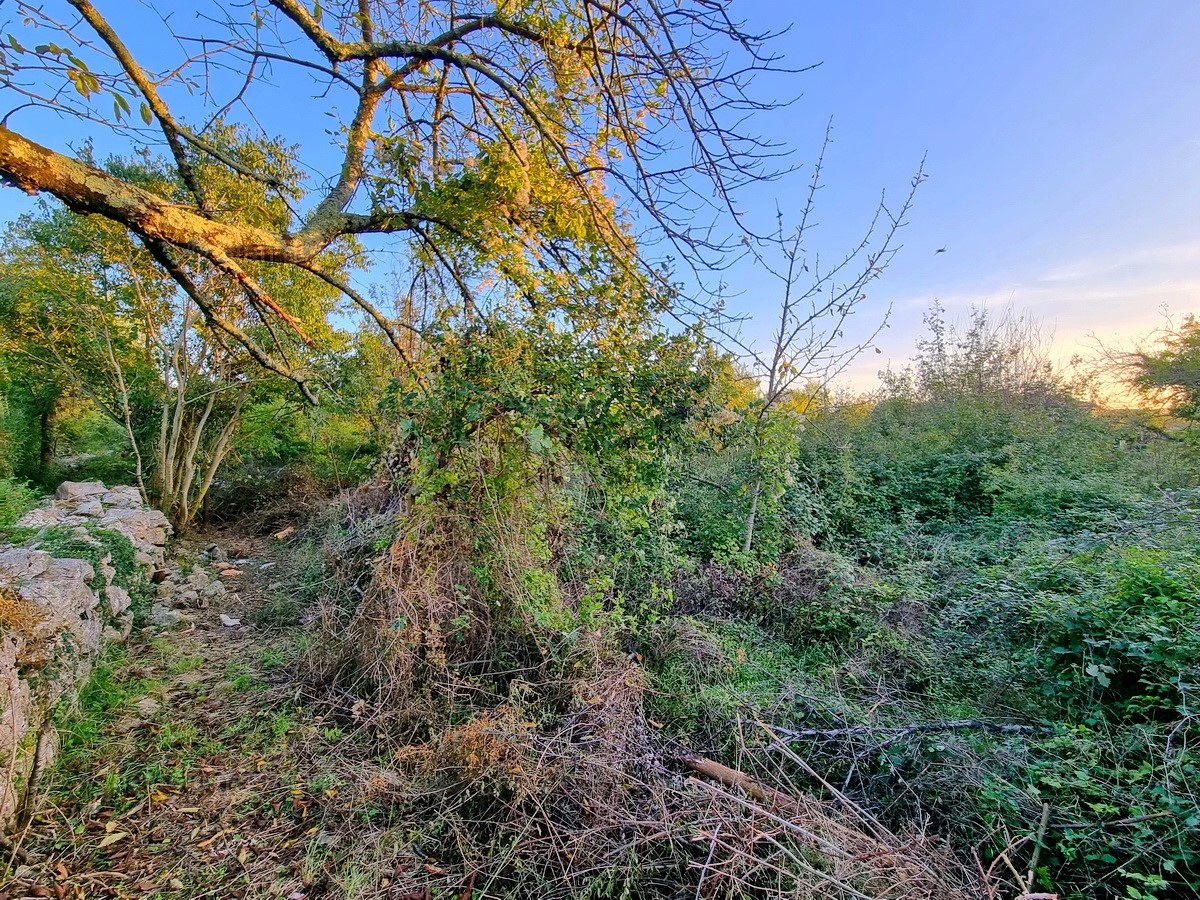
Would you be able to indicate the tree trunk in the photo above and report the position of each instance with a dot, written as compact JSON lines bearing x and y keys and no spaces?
{"x":754,"y":492}
{"x":46,"y":417}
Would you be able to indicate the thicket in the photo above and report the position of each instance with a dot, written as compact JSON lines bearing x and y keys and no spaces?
{"x":972,"y":610}
{"x":973,"y":547}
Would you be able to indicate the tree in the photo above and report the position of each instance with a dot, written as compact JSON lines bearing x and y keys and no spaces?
{"x":999,"y":357}
{"x":1170,"y":372}
{"x":492,"y":143}
{"x":807,"y":348}
{"x":92,"y":314}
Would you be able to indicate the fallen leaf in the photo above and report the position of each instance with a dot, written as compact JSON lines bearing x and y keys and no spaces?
{"x":113,"y":838}
{"x":212,"y":840}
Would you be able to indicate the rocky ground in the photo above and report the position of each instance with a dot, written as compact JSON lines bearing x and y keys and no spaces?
{"x":196,"y":767}
{"x":67,"y":570}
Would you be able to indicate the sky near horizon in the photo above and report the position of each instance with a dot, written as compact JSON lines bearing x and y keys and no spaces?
{"x":1062,"y":146}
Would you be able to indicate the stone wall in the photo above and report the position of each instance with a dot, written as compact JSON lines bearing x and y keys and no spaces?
{"x":65,"y":593}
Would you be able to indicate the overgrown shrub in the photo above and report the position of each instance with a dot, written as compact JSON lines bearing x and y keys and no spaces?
{"x":16,"y":499}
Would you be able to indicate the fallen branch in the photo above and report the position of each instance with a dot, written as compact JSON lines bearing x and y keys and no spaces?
{"x":901,"y":731}
{"x":1037,"y":848}
{"x":734,"y":779}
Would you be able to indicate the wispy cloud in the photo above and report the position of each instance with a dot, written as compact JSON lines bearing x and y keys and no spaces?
{"x":1136,"y":264}
{"x":1108,"y":298}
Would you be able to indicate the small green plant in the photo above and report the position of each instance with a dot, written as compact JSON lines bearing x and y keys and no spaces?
{"x":271,"y":658}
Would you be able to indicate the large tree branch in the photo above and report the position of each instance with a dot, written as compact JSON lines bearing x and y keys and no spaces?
{"x":163,"y":257}
{"x":86,"y":189}
{"x":345,"y":51}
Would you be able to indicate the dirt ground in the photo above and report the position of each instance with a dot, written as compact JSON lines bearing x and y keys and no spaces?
{"x":197,"y":767}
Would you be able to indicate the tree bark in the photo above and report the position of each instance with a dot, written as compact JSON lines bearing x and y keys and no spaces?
{"x":46,"y":417}
{"x":86,"y":189}
{"x":748,"y":540}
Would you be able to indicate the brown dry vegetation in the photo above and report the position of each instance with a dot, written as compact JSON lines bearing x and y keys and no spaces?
{"x":253,"y":773}
{"x":16,"y":615}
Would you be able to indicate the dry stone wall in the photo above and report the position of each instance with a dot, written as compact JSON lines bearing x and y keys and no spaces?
{"x":65,"y":593}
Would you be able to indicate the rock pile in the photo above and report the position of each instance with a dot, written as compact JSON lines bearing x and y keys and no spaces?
{"x":65,"y":593}
{"x":190,"y":582}
{"x":91,"y":504}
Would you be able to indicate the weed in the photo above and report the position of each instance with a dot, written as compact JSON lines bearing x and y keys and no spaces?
{"x":277,"y":612}
{"x":271,"y":658}
{"x":16,"y":498}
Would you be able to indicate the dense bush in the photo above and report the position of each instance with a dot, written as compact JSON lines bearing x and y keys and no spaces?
{"x":984,"y":547}
{"x":16,"y":498}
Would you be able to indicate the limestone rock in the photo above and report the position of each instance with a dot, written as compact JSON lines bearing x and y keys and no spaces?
{"x":146,"y":528}
{"x":198,"y":579}
{"x":66,"y":606}
{"x":124,"y":497}
{"x":164,"y":617}
{"x":213,"y":590}
{"x":40,"y":517}
{"x":17,"y":562}
{"x":118,"y":599}
{"x":70,"y":568}
{"x":63,"y":625}
{"x":74,"y":491}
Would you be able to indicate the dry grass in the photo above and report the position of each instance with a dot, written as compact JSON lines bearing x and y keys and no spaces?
{"x":455,"y":747}
{"x":17,"y":615}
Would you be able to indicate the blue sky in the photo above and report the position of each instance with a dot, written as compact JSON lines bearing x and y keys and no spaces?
{"x":1062,"y":142}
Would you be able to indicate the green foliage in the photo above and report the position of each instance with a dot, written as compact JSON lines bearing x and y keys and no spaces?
{"x":91,"y":322}
{"x":1172,"y":370}
{"x":1123,"y":630}
{"x":988,"y":547}
{"x":16,"y":498}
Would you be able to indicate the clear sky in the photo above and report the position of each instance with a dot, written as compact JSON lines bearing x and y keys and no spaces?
{"x":1063,"y":143}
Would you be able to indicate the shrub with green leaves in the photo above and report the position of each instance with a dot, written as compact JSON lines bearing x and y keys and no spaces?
{"x":1122,"y":630}
{"x":16,"y":498}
